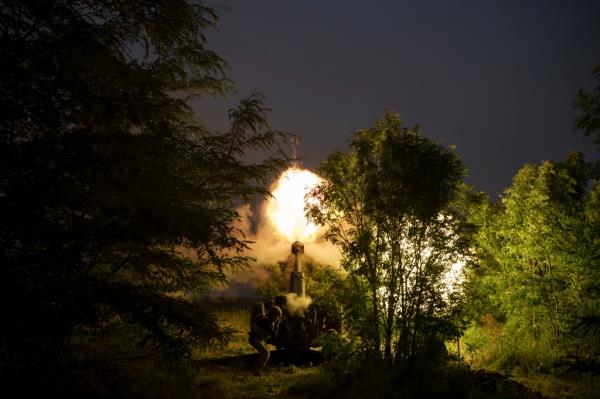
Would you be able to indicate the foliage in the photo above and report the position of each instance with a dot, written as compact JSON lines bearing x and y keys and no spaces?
{"x":104,"y":364}
{"x":538,"y":270}
{"x":388,"y":205}
{"x":324,"y":283}
{"x":233,"y":314}
{"x":588,"y":104}
{"x":277,"y":281}
{"x":114,"y":199}
{"x":327,"y":285}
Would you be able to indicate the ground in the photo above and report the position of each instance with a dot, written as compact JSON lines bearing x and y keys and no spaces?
{"x":226,"y":372}
{"x":232,"y":377}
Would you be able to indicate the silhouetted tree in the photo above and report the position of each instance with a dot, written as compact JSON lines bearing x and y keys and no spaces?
{"x":114,"y":198}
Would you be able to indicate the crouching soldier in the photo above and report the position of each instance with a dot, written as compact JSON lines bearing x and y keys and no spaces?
{"x":263,"y":329}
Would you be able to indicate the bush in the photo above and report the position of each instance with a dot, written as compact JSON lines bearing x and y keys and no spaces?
{"x":507,"y":348}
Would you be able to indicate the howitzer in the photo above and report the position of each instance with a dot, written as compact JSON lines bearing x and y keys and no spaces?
{"x":302,"y":325}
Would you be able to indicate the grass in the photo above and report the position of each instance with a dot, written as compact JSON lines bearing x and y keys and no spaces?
{"x":237,"y":381}
{"x":553,"y":385}
{"x":562,"y":386}
{"x":226,"y":372}
{"x":234,"y":314}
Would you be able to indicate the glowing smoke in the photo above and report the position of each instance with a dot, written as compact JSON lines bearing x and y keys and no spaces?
{"x":297,"y":305}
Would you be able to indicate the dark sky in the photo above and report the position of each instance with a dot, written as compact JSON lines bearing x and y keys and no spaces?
{"x":495,"y":78}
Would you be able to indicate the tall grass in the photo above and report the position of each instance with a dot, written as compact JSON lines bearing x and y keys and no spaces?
{"x":234,"y":314}
{"x":529,"y":359}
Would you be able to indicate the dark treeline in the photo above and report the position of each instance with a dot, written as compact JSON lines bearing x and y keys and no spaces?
{"x":117,"y":207}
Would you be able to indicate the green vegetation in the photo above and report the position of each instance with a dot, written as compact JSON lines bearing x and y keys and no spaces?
{"x":534,"y":289}
{"x":233,"y":315}
{"x":387,"y":204}
{"x":325,"y":283}
{"x":588,"y":104}
{"x":534,"y":296}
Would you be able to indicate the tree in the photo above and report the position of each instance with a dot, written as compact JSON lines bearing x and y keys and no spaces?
{"x":114,"y":199}
{"x":588,"y":103}
{"x":538,"y":264}
{"x":387,"y":204}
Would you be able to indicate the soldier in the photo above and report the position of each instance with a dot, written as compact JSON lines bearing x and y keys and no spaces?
{"x":263,"y":328}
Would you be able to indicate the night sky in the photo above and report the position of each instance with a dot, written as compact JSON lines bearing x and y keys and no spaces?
{"x":495,"y":78}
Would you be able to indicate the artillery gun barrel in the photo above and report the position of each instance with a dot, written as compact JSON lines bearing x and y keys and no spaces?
{"x":297,"y":283}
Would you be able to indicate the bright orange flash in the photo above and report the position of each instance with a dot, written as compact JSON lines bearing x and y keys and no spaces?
{"x":285,"y":210}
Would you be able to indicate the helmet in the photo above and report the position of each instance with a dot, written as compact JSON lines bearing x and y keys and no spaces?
{"x":276,"y":311}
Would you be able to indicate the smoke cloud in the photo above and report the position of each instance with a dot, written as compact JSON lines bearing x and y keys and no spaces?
{"x":297,"y":305}
{"x":270,"y":246}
